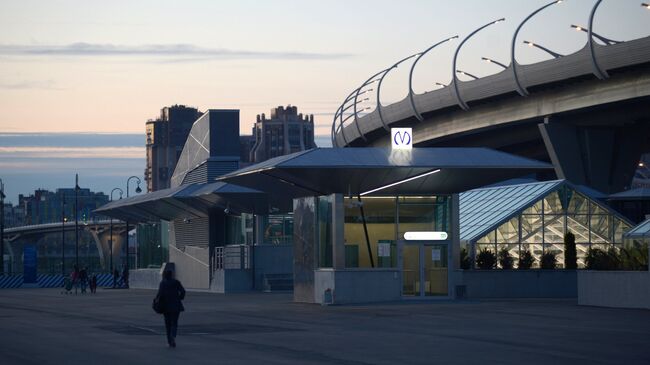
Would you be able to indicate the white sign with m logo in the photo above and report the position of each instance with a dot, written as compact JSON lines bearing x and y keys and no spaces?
{"x":401,"y":138}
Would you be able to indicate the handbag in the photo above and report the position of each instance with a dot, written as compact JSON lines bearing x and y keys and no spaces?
{"x":158,"y":305}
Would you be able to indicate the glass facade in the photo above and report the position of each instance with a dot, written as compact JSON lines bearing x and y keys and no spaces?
{"x":541,"y":227}
{"x":374,"y":244}
{"x":278,"y":229}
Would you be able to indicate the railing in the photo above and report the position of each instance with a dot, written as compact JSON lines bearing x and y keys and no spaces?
{"x":231,"y":257}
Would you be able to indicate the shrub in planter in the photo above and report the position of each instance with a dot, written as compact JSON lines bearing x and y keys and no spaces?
{"x":505,"y":259}
{"x":570,"y":254}
{"x":635,"y":257}
{"x":486,"y":260}
{"x":465,"y":260}
{"x":598,"y":259}
{"x":526,"y":261}
{"x":548,"y":261}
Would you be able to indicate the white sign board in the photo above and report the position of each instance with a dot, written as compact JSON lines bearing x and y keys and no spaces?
{"x":402,"y":138}
{"x":435,"y":254}
{"x":425,"y":236}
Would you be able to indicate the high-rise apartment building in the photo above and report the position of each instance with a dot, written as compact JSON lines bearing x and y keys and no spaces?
{"x":165,"y":139}
{"x":286,"y":132}
{"x":44,"y":206}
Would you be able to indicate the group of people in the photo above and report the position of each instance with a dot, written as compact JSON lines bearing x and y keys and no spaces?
{"x":121,"y":281}
{"x":79,"y":279}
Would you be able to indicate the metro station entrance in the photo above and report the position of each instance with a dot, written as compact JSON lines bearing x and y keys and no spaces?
{"x":424,"y":268}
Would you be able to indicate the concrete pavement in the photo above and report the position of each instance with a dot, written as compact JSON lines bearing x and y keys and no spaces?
{"x":42,"y":326}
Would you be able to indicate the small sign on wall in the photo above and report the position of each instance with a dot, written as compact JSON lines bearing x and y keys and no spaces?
{"x":435,"y":254}
{"x":402,"y":138}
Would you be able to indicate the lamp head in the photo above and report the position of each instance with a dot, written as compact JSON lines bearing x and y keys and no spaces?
{"x":137,"y":189}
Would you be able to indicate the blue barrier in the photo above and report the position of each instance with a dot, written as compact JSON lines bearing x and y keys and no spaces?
{"x":48,"y":280}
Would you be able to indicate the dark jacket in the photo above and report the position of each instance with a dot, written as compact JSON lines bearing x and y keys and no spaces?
{"x":171,"y":292}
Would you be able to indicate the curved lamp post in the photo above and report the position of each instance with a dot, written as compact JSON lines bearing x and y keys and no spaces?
{"x":356,"y":96}
{"x":415,"y":110}
{"x":137,"y":191}
{"x":111,"y":233}
{"x":489,"y":60}
{"x":381,"y":79}
{"x":339,"y":116}
{"x":513,"y":62}
{"x":532,"y":44}
{"x":645,"y":5}
{"x":599,"y":72}
{"x":605,"y":40}
{"x":461,"y":72}
{"x":454,"y":79}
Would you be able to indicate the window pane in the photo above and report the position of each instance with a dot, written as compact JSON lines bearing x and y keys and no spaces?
{"x":325,"y":231}
{"x":380,"y":223}
{"x":509,"y":231}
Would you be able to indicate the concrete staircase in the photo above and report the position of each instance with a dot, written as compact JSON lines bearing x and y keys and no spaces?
{"x":278,"y":282}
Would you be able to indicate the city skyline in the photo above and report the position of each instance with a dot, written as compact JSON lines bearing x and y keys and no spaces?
{"x":108,"y":67}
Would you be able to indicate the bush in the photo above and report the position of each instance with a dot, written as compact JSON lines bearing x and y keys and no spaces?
{"x":635,"y":257}
{"x":486,"y":260}
{"x":548,"y":261}
{"x":598,"y":259}
{"x":465,"y":260}
{"x":526,"y":260}
{"x":505,"y":259}
{"x":570,"y":254}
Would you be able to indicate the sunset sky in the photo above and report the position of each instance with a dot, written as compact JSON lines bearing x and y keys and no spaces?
{"x":99,"y":66}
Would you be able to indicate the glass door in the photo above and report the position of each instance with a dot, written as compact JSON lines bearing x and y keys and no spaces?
{"x":424,"y":269}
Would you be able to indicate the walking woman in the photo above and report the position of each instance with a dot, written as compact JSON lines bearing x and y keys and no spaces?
{"x":170,"y":294}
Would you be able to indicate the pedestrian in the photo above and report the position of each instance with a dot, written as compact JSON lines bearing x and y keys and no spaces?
{"x":125,"y":276}
{"x":93,"y":284}
{"x":116,"y":275}
{"x":83,"y":279}
{"x":75,"y":278}
{"x":170,"y":294}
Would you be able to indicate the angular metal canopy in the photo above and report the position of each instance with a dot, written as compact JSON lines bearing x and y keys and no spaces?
{"x":186,"y":201}
{"x":353,"y":171}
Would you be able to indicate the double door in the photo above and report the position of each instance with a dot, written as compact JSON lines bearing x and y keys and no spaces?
{"x":424,"y":268}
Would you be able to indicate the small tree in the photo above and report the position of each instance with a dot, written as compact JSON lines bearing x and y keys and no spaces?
{"x":465,"y":260}
{"x":486,"y":260}
{"x":526,"y":260}
{"x":548,"y":261}
{"x":598,"y":259}
{"x":570,"y":254}
{"x":505,"y":259}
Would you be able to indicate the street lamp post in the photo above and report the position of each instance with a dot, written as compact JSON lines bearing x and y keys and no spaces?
{"x":138,"y":191}
{"x":76,"y":219}
{"x":110,"y":247}
{"x":605,"y":40}
{"x":645,"y":5}
{"x":381,"y":79}
{"x":2,"y":227}
{"x":63,"y":233}
{"x":454,"y":78}
{"x":467,"y":74}
{"x":533,"y":44}
{"x":489,"y":60}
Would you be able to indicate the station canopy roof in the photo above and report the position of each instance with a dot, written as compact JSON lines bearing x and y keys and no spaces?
{"x":186,"y":201}
{"x":640,"y":231}
{"x":353,"y":171}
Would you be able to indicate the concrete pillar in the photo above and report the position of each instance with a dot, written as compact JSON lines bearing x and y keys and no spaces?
{"x":338,"y":224}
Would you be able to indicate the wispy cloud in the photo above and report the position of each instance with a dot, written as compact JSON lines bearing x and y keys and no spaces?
{"x":171,"y":52}
{"x":29,"y":85}
{"x":70,"y":152}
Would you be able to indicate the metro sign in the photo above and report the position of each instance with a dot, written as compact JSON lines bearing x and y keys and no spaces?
{"x":402,"y":138}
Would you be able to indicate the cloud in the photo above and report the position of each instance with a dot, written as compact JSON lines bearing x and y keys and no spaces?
{"x":16,"y":152}
{"x":171,"y":52}
{"x":28,"y":85}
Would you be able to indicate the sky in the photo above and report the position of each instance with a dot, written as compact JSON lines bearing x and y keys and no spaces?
{"x":79,"y":79}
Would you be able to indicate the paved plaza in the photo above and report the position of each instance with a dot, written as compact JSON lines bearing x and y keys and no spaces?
{"x":43,"y":326}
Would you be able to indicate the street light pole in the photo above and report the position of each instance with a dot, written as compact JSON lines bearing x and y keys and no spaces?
{"x":76,"y":219}
{"x":605,"y":40}
{"x":63,"y":233}
{"x":137,"y":190}
{"x":111,"y":232}
{"x":532,"y":44}
{"x":2,"y":227}
{"x":489,"y":60}
{"x":467,"y":74}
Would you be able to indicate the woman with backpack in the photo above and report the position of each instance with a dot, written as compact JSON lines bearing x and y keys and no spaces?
{"x":169,"y":297}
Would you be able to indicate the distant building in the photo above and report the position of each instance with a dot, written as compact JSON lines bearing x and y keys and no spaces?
{"x":286,"y":132}
{"x":14,"y":215}
{"x":165,"y":139}
{"x":45,"y":206}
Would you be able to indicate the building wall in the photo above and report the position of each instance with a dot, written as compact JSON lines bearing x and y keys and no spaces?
{"x":304,"y":249}
{"x":519,"y":283}
{"x":286,"y":132}
{"x":620,"y":289}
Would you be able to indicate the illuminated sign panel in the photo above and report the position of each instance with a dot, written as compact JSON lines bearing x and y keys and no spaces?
{"x":425,"y":236}
{"x":402,"y":138}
